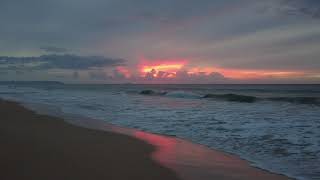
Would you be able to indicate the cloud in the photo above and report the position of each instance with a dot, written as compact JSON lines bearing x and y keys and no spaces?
{"x":3,"y":72}
{"x":75,"y":75}
{"x":98,"y":75}
{"x":58,"y":62}
{"x":181,"y":76}
{"x":308,"y":8}
{"x":52,"y":49}
{"x":201,"y":77}
{"x":216,"y":33}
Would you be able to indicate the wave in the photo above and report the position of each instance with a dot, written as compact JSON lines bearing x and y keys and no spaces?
{"x":251,"y":99}
{"x":174,"y":94}
{"x":151,"y":92}
{"x":183,"y":94}
{"x":232,"y":97}
{"x":299,"y":100}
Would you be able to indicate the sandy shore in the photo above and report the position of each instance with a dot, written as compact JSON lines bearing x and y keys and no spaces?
{"x":42,"y":147}
{"x":38,"y":147}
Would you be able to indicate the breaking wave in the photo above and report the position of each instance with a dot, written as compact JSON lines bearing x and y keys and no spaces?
{"x":298,"y":100}
{"x":232,"y":97}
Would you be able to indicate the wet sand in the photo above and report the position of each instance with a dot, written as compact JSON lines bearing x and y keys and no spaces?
{"x":38,"y":147}
{"x":43,"y":147}
{"x":189,"y":160}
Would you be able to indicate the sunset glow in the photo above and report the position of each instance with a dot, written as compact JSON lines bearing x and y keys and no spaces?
{"x":168,"y":69}
{"x":180,"y":78}
{"x":257,"y":74}
{"x":161,"y":68}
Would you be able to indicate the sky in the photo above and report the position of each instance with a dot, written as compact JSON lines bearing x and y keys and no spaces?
{"x":167,"y":41}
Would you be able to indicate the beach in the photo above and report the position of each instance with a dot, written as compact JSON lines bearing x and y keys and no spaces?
{"x":42,"y":147}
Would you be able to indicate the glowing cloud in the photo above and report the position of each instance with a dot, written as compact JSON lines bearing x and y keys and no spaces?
{"x":244,"y":73}
{"x":162,"y":68}
{"x":180,"y":71}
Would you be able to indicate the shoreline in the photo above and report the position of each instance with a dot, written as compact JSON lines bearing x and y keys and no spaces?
{"x":188,"y":160}
{"x":43,"y":147}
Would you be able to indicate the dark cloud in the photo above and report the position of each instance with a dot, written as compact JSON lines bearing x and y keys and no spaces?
{"x":52,"y":49}
{"x":118,"y":75}
{"x":75,"y":75}
{"x":217,"y":75}
{"x":98,"y":75}
{"x":181,"y":77}
{"x":3,"y":72}
{"x":201,"y":77}
{"x":58,"y":62}
{"x":78,"y":23}
{"x":308,"y":8}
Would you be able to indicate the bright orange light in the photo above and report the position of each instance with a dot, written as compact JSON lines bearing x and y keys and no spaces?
{"x":161,"y":68}
{"x":169,"y":68}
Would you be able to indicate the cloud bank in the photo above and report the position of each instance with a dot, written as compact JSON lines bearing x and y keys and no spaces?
{"x":54,"y":61}
{"x":52,"y":49}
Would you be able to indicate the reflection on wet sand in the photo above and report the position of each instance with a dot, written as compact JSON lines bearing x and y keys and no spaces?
{"x":193,"y":161}
{"x":190,"y":161}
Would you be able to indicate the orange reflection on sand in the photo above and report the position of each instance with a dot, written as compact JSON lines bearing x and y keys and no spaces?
{"x":190,"y":161}
{"x":166,"y":146}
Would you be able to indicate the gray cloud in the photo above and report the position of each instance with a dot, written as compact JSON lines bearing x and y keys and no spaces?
{"x":201,"y":77}
{"x":98,"y":75}
{"x":52,"y":49}
{"x":58,"y":62}
{"x":180,"y":77}
{"x":75,"y":75}
{"x":308,"y":8}
{"x":79,"y":24}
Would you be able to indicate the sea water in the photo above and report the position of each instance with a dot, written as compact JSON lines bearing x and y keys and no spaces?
{"x":275,"y":127}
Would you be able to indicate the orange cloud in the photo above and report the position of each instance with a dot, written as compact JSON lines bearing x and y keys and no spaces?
{"x":258,"y":74}
{"x":166,"y":69}
{"x":245,"y":74}
{"x":161,"y":67}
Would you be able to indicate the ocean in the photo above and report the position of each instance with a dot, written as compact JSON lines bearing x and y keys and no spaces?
{"x":274,"y":127}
